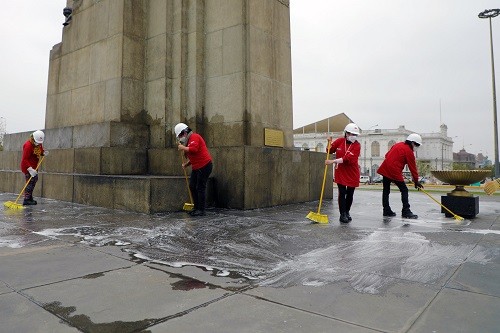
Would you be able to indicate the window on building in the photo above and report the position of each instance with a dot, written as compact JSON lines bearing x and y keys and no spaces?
{"x":390,"y":144}
{"x":375,"y":149}
{"x":320,"y":147}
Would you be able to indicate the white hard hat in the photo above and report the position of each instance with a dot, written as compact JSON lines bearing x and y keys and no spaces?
{"x":179,"y":128}
{"x":352,"y":128}
{"x":38,"y":136}
{"x":414,"y":137}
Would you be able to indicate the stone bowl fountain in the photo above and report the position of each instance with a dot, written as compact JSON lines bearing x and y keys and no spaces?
{"x":460,"y":201}
{"x":461,"y":178}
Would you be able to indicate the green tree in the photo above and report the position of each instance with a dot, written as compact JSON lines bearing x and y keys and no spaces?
{"x":461,"y":166}
{"x":424,"y":168}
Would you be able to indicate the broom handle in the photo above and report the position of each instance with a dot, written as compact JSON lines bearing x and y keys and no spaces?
{"x":186,"y":176}
{"x":25,"y":185}
{"x":324,"y":177}
{"x":440,"y":204}
{"x":430,"y":196}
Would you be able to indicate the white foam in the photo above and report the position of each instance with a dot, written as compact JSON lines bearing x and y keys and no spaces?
{"x":482,"y":231}
{"x":10,"y":243}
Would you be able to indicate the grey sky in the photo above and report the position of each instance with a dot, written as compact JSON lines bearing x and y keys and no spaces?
{"x":28,"y":30}
{"x":396,"y":62}
{"x":385,"y":63}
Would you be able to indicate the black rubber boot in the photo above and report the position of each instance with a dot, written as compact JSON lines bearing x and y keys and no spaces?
{"x":197,"y":212}
{"x":29,"y":202}
{"x":409,"y":215}
{"x":389,"y":213}
{"x":343,"y":218}
{"x":349,"y":218}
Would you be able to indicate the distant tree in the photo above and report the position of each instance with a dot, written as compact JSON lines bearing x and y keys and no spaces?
{"x":488,"y":167}
{"x":424,"y":168}
{"x":461,"y":166}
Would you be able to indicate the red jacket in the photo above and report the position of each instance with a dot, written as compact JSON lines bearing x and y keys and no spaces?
{"x":31,"y":155}
{"x":395,"y":160}
{"x":198,"y":152}
{"x":347,"y":172}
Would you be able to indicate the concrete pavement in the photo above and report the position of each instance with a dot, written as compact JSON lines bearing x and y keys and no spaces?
{"x":71,"y":268}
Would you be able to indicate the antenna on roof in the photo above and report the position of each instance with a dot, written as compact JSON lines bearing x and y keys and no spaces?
{"x":440,"y":121}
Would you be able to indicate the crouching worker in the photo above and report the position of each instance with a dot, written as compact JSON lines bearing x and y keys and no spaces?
{"x":196,"y":151}
{"x":401,"y":154}
{"x":32,"y":153}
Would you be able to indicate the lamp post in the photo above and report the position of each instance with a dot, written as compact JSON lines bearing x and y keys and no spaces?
{"x":442,"y":156}
{"x":489,"y":13}
{"x":364,"y":154}
{"x":371,"y":168}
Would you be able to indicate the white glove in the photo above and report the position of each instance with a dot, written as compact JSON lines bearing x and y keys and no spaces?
{"x":338,"y":161}
{"x":45,"y":152}
{"x":32,"y":172}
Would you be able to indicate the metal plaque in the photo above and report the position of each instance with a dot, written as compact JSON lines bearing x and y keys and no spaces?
{"x":273,"y":138}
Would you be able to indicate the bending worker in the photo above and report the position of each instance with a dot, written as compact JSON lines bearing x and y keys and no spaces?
{"x":401,"y":154}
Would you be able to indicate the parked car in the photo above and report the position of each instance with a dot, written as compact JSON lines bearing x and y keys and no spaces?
{"x":423,"y":180}
{"x":364,"y":179}
{"x":377,"y":179}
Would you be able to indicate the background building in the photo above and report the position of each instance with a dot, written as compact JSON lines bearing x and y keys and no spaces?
{"x":466,"y":159}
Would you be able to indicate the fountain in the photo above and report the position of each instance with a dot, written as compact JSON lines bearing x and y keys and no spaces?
{"x":459,"y":200}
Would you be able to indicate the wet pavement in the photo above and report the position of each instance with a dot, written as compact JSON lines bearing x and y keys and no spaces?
{"x":72,"y":268}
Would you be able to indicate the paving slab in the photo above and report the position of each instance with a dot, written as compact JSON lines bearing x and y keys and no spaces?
{"x":477,"y":278}
{"x":265,"y":270}
{"x":460,"y":311}
{"x":4,"y":289}
{"x":391,"y":309}
{"x":54,"y":264}
{"x":246,"y":314}
{"x":124,"y":299}
{"x":19,"y":314}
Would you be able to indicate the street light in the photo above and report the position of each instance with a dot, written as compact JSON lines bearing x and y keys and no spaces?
{"x":364,"y":154}
{"x":489,"y":13}
{"x":371,"y":168}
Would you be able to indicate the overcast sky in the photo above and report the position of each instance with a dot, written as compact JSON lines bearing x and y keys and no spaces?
{"x":417,"y":63}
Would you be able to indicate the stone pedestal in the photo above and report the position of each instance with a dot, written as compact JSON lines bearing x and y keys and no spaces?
{"x":127,"y":71}
{"x":467,"y":207}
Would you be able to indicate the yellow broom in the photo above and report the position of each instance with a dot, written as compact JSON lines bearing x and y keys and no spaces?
{"x":318,"y":217}
{"x":15,"y":205}
{"x":187,"y":206}
{"x":458,"y":218}
{"x":491,"y":186}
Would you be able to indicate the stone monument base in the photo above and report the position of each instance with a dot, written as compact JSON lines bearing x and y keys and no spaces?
{"x":90,"y":165}
{"x":467,"y":207}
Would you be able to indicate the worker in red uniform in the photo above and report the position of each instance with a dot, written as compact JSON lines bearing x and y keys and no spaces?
{"x":32,"y":152}
{"x":346,"y":150}
{"x":198,"y":156}
{"x":401,"y":154}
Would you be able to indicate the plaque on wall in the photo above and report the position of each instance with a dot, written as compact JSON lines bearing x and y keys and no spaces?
{"x":273,"y":138}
